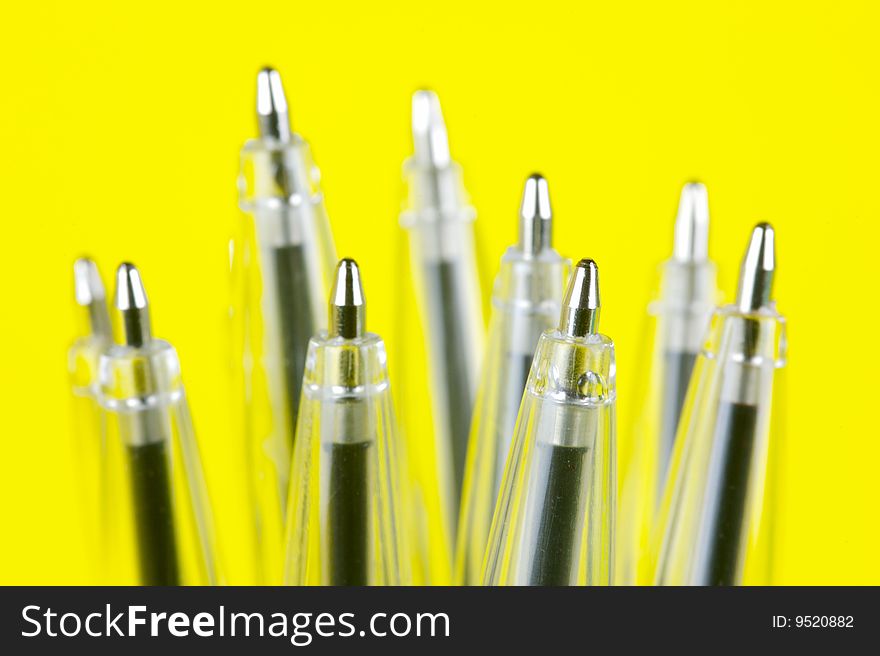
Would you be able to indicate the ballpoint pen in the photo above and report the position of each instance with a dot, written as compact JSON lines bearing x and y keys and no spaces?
{"x":287,"y":258}
{"x":147,"y":418}
{"x":715,"y":491}
{"x":554,"y":519}
{"x":91,"y":459}
{"x":343,"y":517}
{"x":688,"y":295}
{"x":681,"y":313}
{"x":439,"y":221}
{"x":526,"y":302}
{"x":90,"y":296}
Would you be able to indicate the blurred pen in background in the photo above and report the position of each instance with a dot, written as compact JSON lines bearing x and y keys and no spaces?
{"x":439,"y":221}
{"x":95,"y":334}
{"x":680,"y":316}
{"x":285,"y":257}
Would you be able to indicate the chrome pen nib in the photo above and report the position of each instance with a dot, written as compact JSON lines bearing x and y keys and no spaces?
{"x":757,"y":269}
{"x":272,"y":116}
{"x":536,"y":217}
{"x":580,"y":308}
{"x":90,"y":294}
{"x":347,"y":307}
{"x":692,"y":224}
{"x":430,"y":142}
{"x":131,"y":302}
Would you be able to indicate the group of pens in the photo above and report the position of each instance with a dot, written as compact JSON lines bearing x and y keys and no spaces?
{"x":524,"y":454}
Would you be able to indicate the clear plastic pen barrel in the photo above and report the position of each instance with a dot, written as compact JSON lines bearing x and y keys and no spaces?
{"x":526,"y":302}
{"x":89,"y":451}
{"x":162,"y":499}
{"x":680,"y":317}
{"x":715,"y":494}
{"x":440,"y":225}
{"x":343,"y":517}
{"x":687,"y":296}
{"x":284,"y":258}
{"x":554,"y":520}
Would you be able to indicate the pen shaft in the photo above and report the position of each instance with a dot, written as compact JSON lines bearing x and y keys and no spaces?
{"x":506,"y":410}
{"x":348,"y":513}
{"x":735,"y":439}
{"x":154,"y":513}
{"x":514,"y":386}
{"x":444,"y":284}
{"x":296,"y":322}
{"x":679,"y":366}
{"x":558,"y":527}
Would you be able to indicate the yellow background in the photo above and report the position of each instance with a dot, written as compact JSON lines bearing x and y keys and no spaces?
{"x":120,"y":127}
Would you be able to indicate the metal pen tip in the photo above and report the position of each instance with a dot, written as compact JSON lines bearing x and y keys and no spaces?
{"x":131,"y":301}
{"x":580,"y":308}
{"x":347,"y":306}
{"x":87,"y":282}
{"x":272,"y":116}
{"x":130,"y":292}
{"x":430,"y":142}
{"x":536,"y":216}
{"x":757,"y":269}
{"x":89,"y":290}
{"x":692,"y":224}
